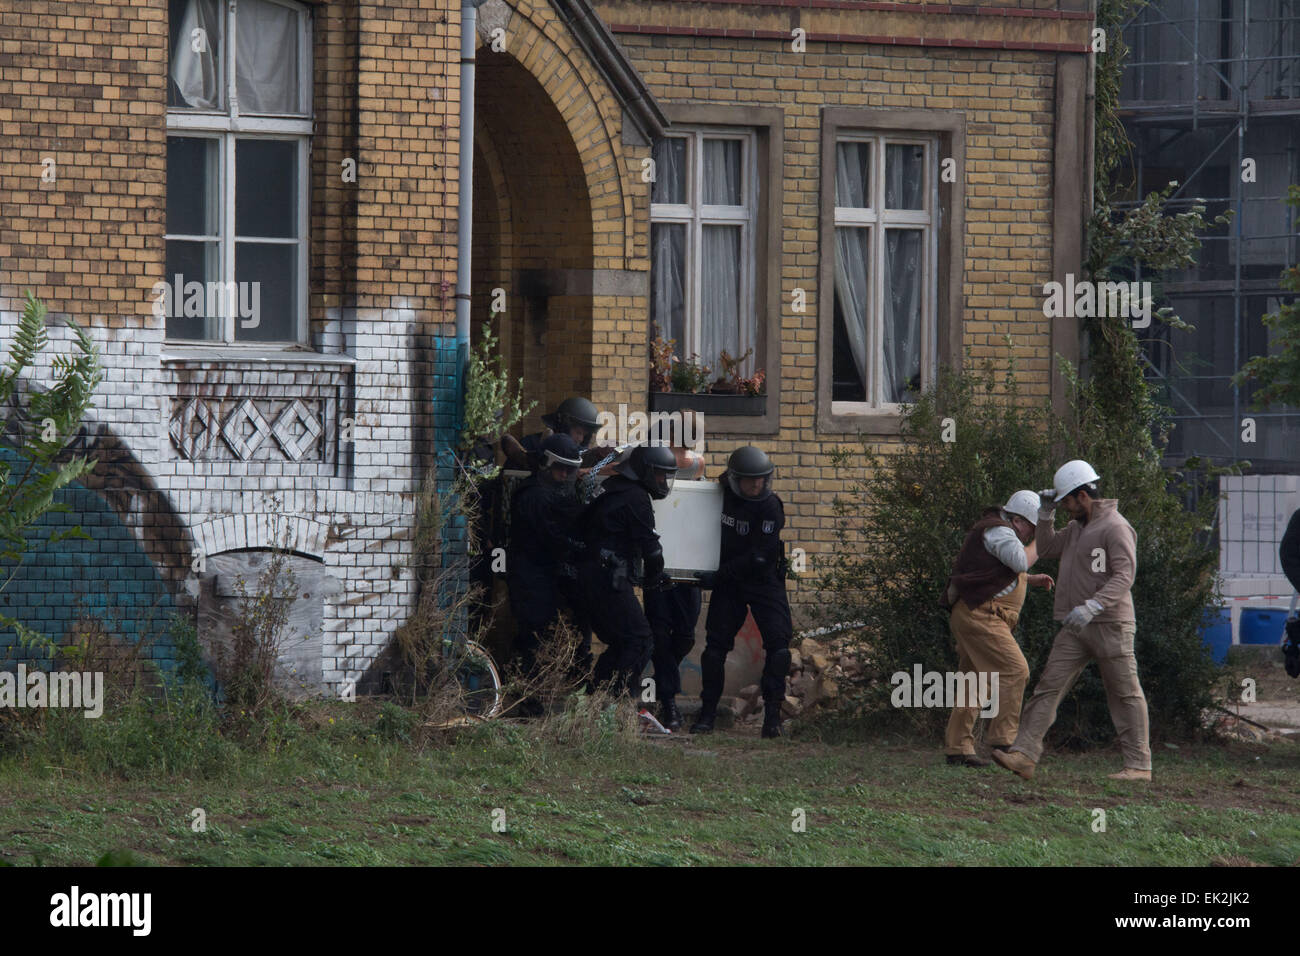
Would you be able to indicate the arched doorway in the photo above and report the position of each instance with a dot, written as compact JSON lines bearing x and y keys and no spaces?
{"x":532,"y":234}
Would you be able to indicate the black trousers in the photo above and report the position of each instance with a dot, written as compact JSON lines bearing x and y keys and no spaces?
{"x":771,"y":610}
{"x":619,"y":621}
{"x":535,"y":604}
{"x":537,"y":596}
{"x":672,"y":615}
{"x":576,"y":603}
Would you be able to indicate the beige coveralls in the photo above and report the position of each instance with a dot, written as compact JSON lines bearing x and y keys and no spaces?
{"x":985,"y":644}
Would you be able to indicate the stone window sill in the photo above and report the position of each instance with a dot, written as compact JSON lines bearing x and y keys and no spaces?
{"x":204,"y":355}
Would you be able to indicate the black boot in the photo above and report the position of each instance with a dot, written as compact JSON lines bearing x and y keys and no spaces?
{"x":669,"y":715}
{"x":708,"y":714}
{"x":771,"y":720}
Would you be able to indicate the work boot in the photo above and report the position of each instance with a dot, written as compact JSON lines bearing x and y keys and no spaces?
{"x":1014,"y":761}
{"x":967,"y":760}
{"x":669,"y":715}
{"x":771,"y":720}
{"x":708,"y":714}
{"x":1131,"y":773}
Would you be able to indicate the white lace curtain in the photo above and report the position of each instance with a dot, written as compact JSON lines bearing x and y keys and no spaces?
{"x":900,"y":313}
{"x":721,"y":247}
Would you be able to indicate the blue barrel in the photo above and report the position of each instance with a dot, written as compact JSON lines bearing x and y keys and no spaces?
{"x":1260,"y":625}
{"x":1216,"y":631}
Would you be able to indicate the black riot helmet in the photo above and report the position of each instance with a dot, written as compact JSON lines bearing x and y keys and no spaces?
{"x":652,"y":468}
{"x":560,"y":453}
{"x":749,"y":462}
{"x":574,"y":411}
{"x":557,"y":470}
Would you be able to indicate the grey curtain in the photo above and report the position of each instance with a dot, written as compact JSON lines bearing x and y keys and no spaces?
{"x":196,"y":73}
{"x":266,"y":58}
{"x":902,"y":312}
{"x":852,"y":252}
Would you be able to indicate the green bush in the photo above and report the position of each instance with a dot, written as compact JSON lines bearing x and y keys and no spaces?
{"x":395,"y":723}
{"x":177,"y":734}
{"x":906,"y":514}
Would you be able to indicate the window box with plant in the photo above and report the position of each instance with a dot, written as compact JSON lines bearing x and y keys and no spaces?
{"x":677,"y":384}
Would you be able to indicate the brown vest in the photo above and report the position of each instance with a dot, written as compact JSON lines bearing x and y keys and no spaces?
{"x":977,"y":575}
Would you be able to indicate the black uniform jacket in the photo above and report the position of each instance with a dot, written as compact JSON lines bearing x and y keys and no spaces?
{"x":752,"y":552}
{"x":621,"y":520}
{"x":541,"y":526}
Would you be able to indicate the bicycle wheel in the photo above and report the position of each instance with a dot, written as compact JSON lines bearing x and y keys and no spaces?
{"x":475,"y":674}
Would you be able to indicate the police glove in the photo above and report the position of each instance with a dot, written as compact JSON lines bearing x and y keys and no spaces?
{"x":661,"y":583}
{"x":1082,"y":615}
{"x":706,"y":579}
{"x":654,"y":566}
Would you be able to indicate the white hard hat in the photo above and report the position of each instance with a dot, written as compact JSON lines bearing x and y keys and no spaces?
{"x":1025,"y":504}
{"x":1071,"y":475}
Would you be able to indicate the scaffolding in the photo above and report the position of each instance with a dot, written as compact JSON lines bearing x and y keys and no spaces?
{"x":1210,"y":85}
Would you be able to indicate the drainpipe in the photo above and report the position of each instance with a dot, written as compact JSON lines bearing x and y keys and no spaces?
{"x":1090,"y":124}
{"x":465,"y":199}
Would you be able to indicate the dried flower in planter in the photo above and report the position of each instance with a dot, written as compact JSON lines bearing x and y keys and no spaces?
{"x":731,"y":382}
{"x":661,"y":364}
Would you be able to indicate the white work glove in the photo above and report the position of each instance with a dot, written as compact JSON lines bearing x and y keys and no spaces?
{"x":1046,"y":506}
{"x":1082,"y":615}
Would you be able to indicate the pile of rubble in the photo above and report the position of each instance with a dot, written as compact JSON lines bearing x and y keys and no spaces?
{"x":1242,"y":730}
{"x":819,"y":672}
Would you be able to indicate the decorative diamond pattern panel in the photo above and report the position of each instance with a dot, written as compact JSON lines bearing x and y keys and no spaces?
{"x":245,"y":429}
{"x":296,"y":430}
{"x":194,"y":429}
{"x":244,"y":425}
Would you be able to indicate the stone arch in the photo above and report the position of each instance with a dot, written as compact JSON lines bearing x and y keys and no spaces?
{"x":493,"y":251}
{"x":542,"y":45}
{"x":538,"y":232}
{"x":262,"y":531}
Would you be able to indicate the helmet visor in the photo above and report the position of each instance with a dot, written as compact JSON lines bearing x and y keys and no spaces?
{"x":560,"y":470}
{"x":750,"y":487}
{"x":662,"y":481}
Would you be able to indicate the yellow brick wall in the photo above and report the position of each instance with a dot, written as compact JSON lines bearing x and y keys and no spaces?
{"x":1008,"y":101}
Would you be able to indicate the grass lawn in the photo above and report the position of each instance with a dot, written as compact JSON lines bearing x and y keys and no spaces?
{"x":340,"y":794}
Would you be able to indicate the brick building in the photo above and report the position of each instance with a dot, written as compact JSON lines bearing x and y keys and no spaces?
{"x":855,"y":191}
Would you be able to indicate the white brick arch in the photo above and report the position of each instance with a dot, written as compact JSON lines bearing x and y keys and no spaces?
{"x":262,"y":530}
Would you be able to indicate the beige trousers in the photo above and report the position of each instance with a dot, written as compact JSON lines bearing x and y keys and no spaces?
{"x":1111,"y":646}
{"x":985,"y":644}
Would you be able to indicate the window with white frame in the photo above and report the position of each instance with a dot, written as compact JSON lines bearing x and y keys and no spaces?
{"x":884,"y":339}
{"x":238,"y":139}
{"x":702,"y":221}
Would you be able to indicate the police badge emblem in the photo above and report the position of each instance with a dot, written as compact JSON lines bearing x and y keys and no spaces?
{"x":769,"y":527}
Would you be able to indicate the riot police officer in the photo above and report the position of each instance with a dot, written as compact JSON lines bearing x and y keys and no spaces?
{"x":622,"y":551}
{"x":542,"y":542}
{"x":750,"y":577}
{"x":673,"y":611}
{"x":575,"y":417}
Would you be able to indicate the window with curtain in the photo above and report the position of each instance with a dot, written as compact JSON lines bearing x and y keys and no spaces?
{"x":884,"y":283}
{"x":239,"y":131}
{"x":702,"y":216}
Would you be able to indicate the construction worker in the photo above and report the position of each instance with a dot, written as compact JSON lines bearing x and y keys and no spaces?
{"x":1098,"y":552}
{"x":986,"y":591}
{"x":673,"y":612}
{"x":621,"y":552}
{"x":542,"y":540}
{"x":750,"y":579}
